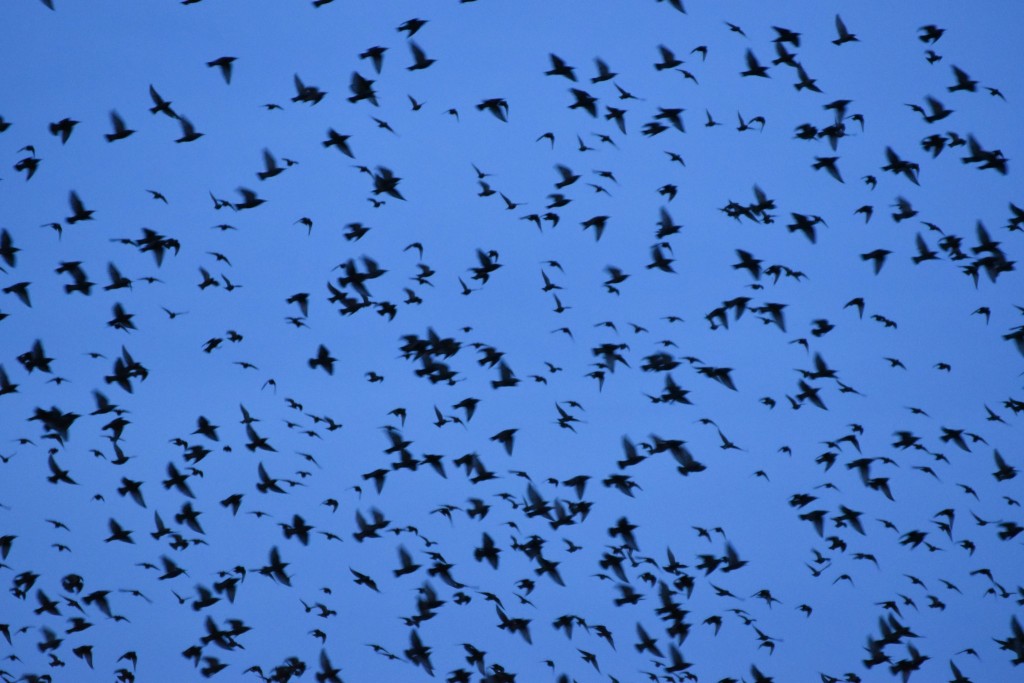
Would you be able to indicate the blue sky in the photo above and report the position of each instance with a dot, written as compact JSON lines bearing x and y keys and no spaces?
{"x":427,"y":129}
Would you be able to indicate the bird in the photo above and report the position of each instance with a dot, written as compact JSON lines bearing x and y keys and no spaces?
{"x":420,"y":59}
{"x":63,"y":128}
{"x":376,"y":56}
{"x":497,"y":106}
{"x":560,"y":68}
{"x":270,"y":166}
{"x":78,"y":210}
{"x":188,"y":131}
{"x":160,"y":105}
{"x":735,"y":29}
{"x":306,"y":93}
{"x":362,"y":89}
{"x":963,"y":81}
{"x":121,"y":131}
{"x":603,"y":72}
{"x":323,"y":360}
{"x":584,"y":100}
{"x":930,"y":33}
{"x":334,"y":139}
{"x":844,"y":35}
{"x":225,"y":65}
{"x":829,"y":164}
{"x":411,"y":26}
{"x":249,"y":200}
{"x":877,"y":258}
{"x":805,"y":82}
{"x":754,"y":67}
{"x":668,"y":59}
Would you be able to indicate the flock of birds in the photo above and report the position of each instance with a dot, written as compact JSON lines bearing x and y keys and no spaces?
{"x":481,"y":443}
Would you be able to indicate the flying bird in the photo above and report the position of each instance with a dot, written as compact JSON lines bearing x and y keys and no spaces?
{"x":225,"y":65}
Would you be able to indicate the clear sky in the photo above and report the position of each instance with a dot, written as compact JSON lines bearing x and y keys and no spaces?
{"x":629,"y":355}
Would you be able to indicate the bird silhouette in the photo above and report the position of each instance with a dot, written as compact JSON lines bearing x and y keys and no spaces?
{"x":225,"y":65}
{"x":121,"y":131}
